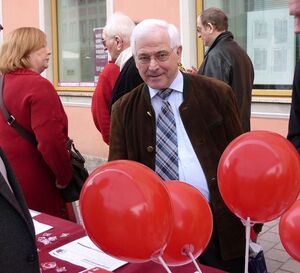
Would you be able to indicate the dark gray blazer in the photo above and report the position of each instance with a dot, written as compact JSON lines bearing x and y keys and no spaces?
{"x":18,"y":251}
{"x":227,"y":61}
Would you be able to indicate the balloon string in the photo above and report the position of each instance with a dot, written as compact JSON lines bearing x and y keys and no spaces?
{"x":190,"y":255}
{"x":164,"y":264}
{"x":248,"y":226}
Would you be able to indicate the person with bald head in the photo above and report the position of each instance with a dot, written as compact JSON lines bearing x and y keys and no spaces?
{"x":226,"y":60}
{"x":178,"y":124}
{"x":294,"y":119}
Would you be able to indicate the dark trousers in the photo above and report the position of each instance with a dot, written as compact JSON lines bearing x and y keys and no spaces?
{"x":212,"y":257}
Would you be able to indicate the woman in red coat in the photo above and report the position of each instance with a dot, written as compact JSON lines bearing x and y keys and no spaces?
{"x":34,"y":103}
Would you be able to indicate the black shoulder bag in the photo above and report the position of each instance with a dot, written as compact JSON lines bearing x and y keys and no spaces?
{"x":72,"y":192}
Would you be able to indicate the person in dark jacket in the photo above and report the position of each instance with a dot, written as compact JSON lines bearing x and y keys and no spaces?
{"x":294,"y":120}
{"x":226,"y":60}
{"x":206,"y":120}
{"x":17,"y":237}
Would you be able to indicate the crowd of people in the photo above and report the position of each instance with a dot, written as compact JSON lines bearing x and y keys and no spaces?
{"x":146,"y":109}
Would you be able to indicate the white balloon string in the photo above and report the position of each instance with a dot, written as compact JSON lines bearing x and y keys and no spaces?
{"x":164,"y":264}
{"x":190,"y":255}
{"x":248,"y":227}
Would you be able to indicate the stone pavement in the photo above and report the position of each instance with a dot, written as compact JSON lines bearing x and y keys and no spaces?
{"x":277,"y":259}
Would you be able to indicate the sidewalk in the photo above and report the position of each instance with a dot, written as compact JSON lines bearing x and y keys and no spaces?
{"x":277,"y":259}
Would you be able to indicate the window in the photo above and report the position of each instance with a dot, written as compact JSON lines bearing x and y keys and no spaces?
{"x":76,"y":22}
{"x":265,"y":30}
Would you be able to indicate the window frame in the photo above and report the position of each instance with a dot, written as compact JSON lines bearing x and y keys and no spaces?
{"x":55,"y":57}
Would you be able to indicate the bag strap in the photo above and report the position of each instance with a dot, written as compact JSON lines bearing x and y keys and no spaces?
{"x":10,"y":119}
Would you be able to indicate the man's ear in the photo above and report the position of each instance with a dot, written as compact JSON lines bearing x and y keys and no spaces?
{"x":119,"y":41}
{"x":179,"y":52}
{"x":210,"y":27}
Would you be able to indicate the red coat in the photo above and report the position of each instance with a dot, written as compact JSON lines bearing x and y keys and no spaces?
{"x":102,"y":98}
{"x":34,"y":103}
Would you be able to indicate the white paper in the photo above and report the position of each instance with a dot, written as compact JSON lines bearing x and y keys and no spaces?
{"x":39,"y":227}
{"x":34,"y":213}
{"x":83,"y":252}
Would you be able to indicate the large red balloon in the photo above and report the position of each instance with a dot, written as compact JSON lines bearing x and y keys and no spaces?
{"x":289,"y":230}
{"x":192,"y":223}
{"x":259,"y":175}
{"x":126,"y":210}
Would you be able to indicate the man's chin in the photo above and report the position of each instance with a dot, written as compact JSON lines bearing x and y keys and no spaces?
{"x":156,"y":84}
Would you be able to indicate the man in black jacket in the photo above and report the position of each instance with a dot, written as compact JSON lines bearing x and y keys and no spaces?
{"x":226,"y":60}
{"x":18,"y":251}
{"x":294,"y":120}
{"x":128,"y":79}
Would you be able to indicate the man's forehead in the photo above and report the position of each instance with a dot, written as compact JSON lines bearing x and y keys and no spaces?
{"x":153,"y":44}
{"x":151,"y":50}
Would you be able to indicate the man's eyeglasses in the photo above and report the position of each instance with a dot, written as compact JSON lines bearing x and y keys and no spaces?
{"x":160,"y":56}
{"x":104,"y":41}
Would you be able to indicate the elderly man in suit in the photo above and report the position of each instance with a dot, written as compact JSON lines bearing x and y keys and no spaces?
{"x":178,"y":125}
{"x":18,"y":251}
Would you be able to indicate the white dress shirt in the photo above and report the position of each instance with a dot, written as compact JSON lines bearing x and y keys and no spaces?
{"x":124,"y":56}
{"x":190,"y":170}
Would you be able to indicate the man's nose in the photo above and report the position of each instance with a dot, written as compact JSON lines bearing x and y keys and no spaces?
{"x":153,"y":62}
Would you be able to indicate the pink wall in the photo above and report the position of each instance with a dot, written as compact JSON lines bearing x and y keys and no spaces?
{"x":89,"y":141}
{"x":18,"y":13}
{"x":84,"y":133}
{"x":139,"y":10}
{"x":279,"y":126}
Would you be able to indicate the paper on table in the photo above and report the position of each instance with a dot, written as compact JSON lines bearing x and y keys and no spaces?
{"x":39,"y":227}
{"x":83,"y":252}
{"x":34,"y":213}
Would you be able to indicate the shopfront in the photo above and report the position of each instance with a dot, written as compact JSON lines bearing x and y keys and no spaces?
{"x":262,"y":27}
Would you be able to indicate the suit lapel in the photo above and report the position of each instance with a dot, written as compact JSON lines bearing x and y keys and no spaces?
{"x":15,"y":198}
{"x":8,"y":194}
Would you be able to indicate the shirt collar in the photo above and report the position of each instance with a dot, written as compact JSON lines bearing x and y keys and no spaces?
{"x":176,"y":85}
{"x":123,"y":57}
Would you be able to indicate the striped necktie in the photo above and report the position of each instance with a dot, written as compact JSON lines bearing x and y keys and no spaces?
{"x":166,"y":140}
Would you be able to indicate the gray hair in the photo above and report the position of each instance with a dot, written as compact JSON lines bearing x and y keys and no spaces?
{"x":149,"y":25}
{"x":121,"y":25}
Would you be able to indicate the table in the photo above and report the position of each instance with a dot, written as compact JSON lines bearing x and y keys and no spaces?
{"x":72,"y":231}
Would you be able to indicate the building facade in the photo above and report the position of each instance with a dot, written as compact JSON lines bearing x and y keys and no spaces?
{"x":262,"y":27}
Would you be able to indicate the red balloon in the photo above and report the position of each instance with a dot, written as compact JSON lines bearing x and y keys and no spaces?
{"x":259,"y":175}
{"x":192,"y":223}
{"x":126,"y":210}
{"x":289,"y":230}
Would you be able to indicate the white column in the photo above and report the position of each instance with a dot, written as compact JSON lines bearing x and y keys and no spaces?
{"x":1,"y":21}
{"x":188,"y":32}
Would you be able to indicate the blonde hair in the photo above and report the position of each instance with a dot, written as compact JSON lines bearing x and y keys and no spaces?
{"x":19,"y":44}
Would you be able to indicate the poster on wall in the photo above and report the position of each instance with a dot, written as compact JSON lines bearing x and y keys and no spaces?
{"x":101,"y":55}
{"x":271,"y":46}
